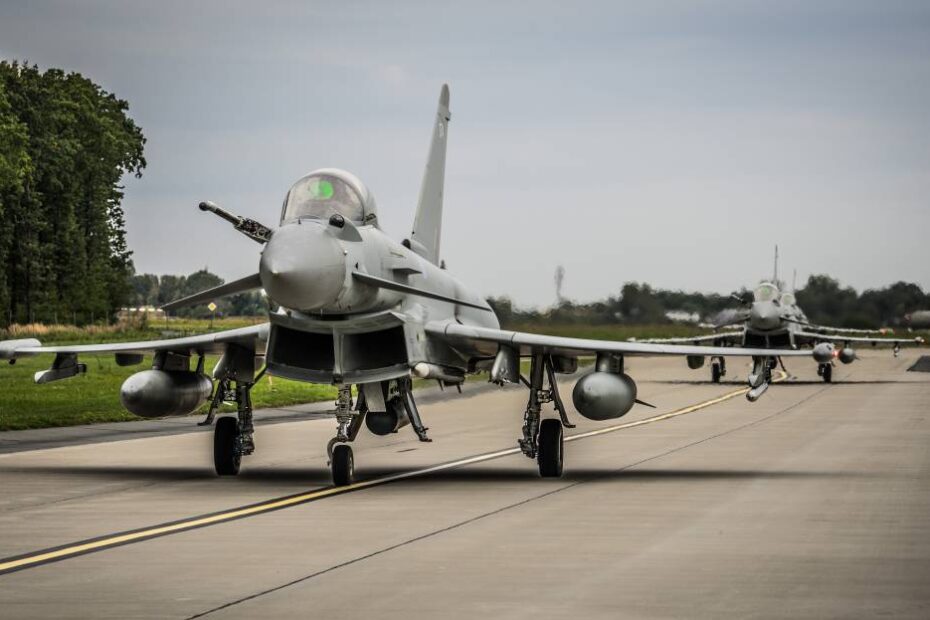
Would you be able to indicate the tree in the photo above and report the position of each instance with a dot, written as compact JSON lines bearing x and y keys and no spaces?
{"x":639,"y":304}
{"x":15,"y":168}
{"x":62,"y":234}
{"x":152,"y":290}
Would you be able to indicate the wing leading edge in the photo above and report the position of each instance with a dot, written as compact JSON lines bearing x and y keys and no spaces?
{"x":527,"y":343}
{"x":217,"y":342}
{"x":734,"y":337}
{"x":843,"y":339}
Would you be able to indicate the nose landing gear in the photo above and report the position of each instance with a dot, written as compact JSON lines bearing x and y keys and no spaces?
{"x":348,"y":422}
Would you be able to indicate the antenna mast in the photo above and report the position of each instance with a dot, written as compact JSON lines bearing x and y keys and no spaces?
{"x":775,"y":275}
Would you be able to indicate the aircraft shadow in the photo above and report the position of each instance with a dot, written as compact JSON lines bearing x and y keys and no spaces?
{"x":132,"y":473}
{"x":321,"y":476}
{"x":528,"y":474}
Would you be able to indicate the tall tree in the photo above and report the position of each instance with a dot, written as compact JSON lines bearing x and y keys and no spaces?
{"x":62,"y":237}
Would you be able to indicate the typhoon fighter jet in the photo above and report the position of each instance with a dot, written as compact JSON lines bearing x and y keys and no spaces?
{"x":356,"y":308}
{"x":773,"y":320}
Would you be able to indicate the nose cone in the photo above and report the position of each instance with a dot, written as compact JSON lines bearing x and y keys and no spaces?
{"x":764,"y":315}
{"x":303,"y":267}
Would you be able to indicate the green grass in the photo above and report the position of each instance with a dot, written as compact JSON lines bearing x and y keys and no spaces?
{"x":94,"y":396}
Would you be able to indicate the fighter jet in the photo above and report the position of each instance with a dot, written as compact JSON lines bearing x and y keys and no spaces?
{"x":356,"y":308}
{"x":773,"y":320}
{"x":919,"y":319}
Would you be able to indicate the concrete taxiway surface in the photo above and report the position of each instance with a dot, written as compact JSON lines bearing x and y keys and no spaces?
{"x":812,"y":502}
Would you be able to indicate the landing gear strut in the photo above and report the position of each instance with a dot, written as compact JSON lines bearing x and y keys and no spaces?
{"x":543,"y":441}
{"x":405,"y":387}
{"x":718,"y":368}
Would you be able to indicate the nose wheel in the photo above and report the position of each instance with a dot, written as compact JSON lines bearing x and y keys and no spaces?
{"x":343,"y":465}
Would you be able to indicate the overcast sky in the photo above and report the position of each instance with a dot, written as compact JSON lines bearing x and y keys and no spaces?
{"x":673,"y":143}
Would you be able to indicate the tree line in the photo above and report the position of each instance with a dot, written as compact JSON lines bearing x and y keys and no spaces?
{"x":65,"y":143}
{"x":822,"y":298}
{"x":150,"y":290}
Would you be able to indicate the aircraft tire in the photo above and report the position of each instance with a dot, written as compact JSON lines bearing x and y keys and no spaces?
{"x":828,"y":373}
{"x":225,"y":436}
{"x":343,"y":465}
{"x":549,"y":454}
{"x":715,"y":372}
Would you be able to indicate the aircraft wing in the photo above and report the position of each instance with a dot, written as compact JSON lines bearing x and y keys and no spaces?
{"x":489,"y":339}
{"x":734,"y":337}
{"x":841,"y":338}
{"x":838,"y":330}
{"x":253,"y":336}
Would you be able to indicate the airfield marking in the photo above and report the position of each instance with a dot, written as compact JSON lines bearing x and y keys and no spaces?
{"x":70,"y":550}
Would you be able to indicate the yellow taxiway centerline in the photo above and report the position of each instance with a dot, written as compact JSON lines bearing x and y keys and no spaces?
{"x":115,"y":540}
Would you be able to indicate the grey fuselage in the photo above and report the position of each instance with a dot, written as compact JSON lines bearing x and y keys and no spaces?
{"x":775,"y":322}
{"x":333,"y":328}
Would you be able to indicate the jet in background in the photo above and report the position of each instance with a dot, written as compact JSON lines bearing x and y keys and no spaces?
{"x":356,"y":308}
{"x":919,"y":319}
{"x":773,"y":320}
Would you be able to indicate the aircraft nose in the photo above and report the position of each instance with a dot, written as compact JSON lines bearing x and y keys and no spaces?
{"x":303,"y":267}
{"x":764,"y":315}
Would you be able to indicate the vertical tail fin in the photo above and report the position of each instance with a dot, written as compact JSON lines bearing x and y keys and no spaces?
{"x":428,"y":223}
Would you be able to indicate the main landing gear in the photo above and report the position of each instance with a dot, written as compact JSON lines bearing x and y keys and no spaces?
{"x":232,"y":437}
{"x":543,"y":440}
{"x":349,"y":422}
{"x":718,"y":368}
{"x":826,"y":371}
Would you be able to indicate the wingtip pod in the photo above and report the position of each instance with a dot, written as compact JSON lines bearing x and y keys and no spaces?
{"x":9,"y":348}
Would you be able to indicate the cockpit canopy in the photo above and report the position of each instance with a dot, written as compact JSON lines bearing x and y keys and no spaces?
{"x":788,"y":299}
{"x":329,"y":191}
{"x":765,"y":292}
